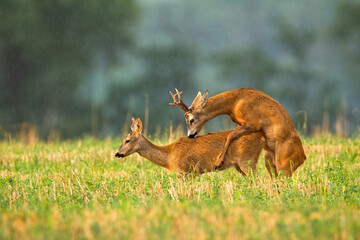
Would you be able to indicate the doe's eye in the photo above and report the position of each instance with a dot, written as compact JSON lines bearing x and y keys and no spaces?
{"x":127,"y":141}
{"x":192,"y":120}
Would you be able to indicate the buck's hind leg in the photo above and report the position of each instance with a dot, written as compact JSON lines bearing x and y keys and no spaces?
{"x":239,"y":131}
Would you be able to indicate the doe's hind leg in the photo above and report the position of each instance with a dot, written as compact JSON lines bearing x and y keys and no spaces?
{"x":270,"y":163}
{"x":290,"y":157}
{"x":240,"y":170}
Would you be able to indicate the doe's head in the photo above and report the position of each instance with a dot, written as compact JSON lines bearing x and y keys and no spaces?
{"x":131,"y":141}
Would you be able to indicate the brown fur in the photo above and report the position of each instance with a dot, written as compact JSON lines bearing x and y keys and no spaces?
{"x":253,"y":111}
{"x":197,"y":155}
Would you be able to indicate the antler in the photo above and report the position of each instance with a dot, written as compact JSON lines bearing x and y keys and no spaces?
{"x":178,"y":103}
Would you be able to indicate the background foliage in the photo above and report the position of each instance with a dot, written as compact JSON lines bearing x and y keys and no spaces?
{"x":85,"y":67}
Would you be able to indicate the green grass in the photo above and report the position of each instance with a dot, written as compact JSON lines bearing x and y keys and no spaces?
{"x":78,"y":190}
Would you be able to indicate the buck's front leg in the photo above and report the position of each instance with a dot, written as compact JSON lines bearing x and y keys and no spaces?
{"x":239,"y":131}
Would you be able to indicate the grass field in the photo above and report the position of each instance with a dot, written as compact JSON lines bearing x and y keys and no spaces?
{"x":78,"y":190}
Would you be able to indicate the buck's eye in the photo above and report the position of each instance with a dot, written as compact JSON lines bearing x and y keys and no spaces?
{"x":192,"y":120}
{"x":127,"y":141}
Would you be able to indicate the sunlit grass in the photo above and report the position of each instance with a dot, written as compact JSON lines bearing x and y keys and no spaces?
{"x":77,"y":189}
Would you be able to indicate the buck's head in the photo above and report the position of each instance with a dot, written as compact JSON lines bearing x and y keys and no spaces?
{"x":194,"y":116}
{"x":131,"y":141}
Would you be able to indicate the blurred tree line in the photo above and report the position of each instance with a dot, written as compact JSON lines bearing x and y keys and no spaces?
{"x":85,"y":67}
{"x":48,"y":49}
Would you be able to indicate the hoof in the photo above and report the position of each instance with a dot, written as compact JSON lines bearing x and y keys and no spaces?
{"x":218,"y":167}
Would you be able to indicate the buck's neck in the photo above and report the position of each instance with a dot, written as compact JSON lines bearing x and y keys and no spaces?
{"x":155,"y":154}
{"x":218,"y":105}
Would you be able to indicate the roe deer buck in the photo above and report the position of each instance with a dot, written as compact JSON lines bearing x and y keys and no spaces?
{"x":253,"y":111}
{"x":194,"y":155}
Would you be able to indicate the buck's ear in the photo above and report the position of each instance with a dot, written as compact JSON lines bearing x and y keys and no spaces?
{"x":196,"y":101}
{"x":136,"y":125}
{"x":204,"y":99}
{"x":200,"y":100}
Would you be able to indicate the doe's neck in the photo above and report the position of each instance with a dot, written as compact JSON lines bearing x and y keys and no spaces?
{"x":155,"y":154}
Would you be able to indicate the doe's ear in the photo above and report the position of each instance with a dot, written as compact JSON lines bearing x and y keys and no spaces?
{"x":136,"y":125}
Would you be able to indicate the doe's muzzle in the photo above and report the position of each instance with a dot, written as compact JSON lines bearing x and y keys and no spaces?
{"x":118,"y":155}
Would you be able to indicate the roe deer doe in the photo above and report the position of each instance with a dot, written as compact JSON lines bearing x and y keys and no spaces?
{"x":253,"y":111}
{"x":194,"y":155}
